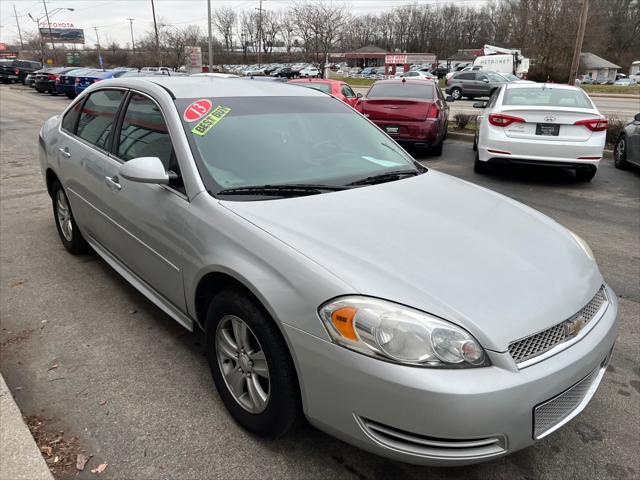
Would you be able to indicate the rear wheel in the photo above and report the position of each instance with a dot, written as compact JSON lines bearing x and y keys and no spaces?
{"x":456,"y":93}
{"x":70,"y":95}
{"x":66,"y":225}
{"x":436,"y":151}
{"x":475,"y":140}
{"x":620,"y":152}
{"x":251,"y":365}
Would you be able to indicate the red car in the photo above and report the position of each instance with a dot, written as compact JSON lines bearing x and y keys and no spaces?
{"x":333,"y":87}
{"x":413,"y":112}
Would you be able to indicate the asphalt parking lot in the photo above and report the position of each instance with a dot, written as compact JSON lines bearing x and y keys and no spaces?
{"x":88,"y":353}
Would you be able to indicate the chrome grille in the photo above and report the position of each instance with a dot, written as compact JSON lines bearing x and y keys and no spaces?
{"x":538,"y":343}
{"x":432,"y":447}
{"x":549,"y":414}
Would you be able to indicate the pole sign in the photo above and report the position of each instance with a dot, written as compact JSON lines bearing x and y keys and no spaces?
{"x":61,"y":32}
{"x":73,"y":58}
{"x":194,"y":59}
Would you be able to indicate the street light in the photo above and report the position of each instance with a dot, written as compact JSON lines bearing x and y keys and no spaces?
{"x":47,"y":16}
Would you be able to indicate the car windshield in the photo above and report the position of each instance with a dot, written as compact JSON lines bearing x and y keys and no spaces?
{"x":546,"y":97}
{"x":323,"y":87}
{"x":495,"y":77}
{"x":401,"y":90}
{"x":253,"y":141}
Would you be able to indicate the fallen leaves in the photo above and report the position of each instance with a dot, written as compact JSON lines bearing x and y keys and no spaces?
{"x":18,"y":338}
{"x":59,"y":452}
{"x":100,"y":468}
{"x":53,"y":367}
{"x":18,"y":284}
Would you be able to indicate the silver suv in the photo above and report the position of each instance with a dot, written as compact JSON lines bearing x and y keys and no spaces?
{"x":474,"y":84}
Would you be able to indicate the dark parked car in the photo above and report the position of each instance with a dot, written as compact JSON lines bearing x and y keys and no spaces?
{"x":285,"y":72}
{"x":627,"y":149}
{"x":66,"y":83}
{"x":474,"y":84}
{"x":412,"y":112}
{"x":45,"y":80}
{"x":17,"y":70}
{"x":30,"y":79}
{"x":440,"y":71}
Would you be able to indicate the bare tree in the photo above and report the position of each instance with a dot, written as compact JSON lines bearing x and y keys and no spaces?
{"x":224,"y":19}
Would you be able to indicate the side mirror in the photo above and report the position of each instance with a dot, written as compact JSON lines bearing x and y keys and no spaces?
{"x":485,"y":80}
{"x":359,"y":95}
{"x":450,"y":99}
{"x":480,"y":105}
{"x":637,"y":117}
{"x":145,"y":170}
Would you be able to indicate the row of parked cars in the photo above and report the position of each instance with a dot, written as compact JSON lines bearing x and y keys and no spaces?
{"x":71,"y":81}
{"x":281,"y":70}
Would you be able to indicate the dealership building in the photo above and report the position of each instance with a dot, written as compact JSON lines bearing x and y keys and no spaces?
{"x":372,"y":56}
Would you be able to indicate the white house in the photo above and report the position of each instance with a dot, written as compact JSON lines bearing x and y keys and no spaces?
{"x":597,"y":67}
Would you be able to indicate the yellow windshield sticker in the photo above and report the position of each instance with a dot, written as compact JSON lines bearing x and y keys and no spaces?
{"x":210,"y":120}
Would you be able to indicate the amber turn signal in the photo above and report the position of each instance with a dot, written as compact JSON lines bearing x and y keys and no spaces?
{"x":343,"y":321}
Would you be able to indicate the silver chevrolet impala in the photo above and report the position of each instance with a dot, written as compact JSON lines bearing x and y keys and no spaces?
{"x":407,"y":312}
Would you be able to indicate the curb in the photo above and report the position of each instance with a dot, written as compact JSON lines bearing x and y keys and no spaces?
{"x":468,"y":137}
{"x":20,"y":458}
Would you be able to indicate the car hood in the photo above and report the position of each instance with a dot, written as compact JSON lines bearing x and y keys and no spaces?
{"x":442,"y":245}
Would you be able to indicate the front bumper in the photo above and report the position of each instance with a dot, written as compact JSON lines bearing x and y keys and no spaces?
{"x":457,"y":417}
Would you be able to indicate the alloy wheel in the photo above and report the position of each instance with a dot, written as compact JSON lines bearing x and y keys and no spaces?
{"x":63,"y":213}
{"x":620,"y":146}
{"x":243,"y":364}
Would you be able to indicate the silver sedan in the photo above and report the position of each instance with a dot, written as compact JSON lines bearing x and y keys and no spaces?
{"x":415,"y":315}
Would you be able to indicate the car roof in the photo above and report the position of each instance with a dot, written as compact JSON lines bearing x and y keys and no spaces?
{"x":317,"y":80}
{"x":191,"y":87}
{"x":427,"y":81}
{"x":541,"y":86}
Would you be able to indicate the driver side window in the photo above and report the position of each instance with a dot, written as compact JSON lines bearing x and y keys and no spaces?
{"x":144,"y":134}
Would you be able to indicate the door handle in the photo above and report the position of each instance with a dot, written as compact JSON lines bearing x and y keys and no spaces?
{"x":65,"y":152}
{"x":113,"y":182}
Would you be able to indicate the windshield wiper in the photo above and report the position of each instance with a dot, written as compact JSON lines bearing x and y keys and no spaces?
{"x":385,"y":177}
{"x":289,"y":190}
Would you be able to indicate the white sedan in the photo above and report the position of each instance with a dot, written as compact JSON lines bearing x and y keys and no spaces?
{"x":416,"y":75}
{"x":544,"y":124}
{"x":310,"y":72}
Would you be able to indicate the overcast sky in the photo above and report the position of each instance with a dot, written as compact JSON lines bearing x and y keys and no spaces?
{"x":111,"y":16}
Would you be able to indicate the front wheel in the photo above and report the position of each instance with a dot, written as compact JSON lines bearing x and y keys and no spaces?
{"x":66,"y":225}
{"x":456,"y":93}
{"x":620,"y":152}
{"x":251,"y":365}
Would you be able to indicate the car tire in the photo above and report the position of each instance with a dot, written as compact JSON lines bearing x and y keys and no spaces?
{"x":585,"y":174}
{"x":39,"y":90}
{"x":70,"y":95}
{"x":53,"y":91}
{"x":436,"y":151}
{"x":620,"y":152}
{"x":456,"y":93}
{"x":66,"y":225}
{"x":479,"y":166}
{"x":281,"y":410}
{"x":475,"y":140}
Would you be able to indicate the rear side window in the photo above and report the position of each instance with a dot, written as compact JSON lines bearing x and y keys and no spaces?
{"x":347,"y":91}
{"x":401,"y":90}
{"x":144,"y":132}
{"x":70,"y":119}
{"x":465,"y":76}
{"x":97,"y":117}
{"x":546,"y":97}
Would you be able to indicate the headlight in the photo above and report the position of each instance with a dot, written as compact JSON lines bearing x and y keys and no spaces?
{"x":583,"y":244}
{"x":399,"y":334}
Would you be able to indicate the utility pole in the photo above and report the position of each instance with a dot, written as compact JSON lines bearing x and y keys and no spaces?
{"x":210,"y":38}
{"x":259,"y":34}
{"x":133,"y":46}
{"x":575,"y":63}
{"x":18,"y":24}
{"x":155,"y":26}
{"x":46,"y":12}
{"x":98,"y":45}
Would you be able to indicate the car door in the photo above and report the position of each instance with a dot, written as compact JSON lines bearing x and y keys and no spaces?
{"x":83,"y":153}
{"x":146,"y":219}
{"x":443,"y":106}
{"x":481,"y":85}
{"x":349,"y":94}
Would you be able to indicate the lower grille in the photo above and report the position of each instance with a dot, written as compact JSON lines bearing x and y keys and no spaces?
{"x":534,"y":345}
{"x":432,"y":447}
{"x":552,"y":414}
